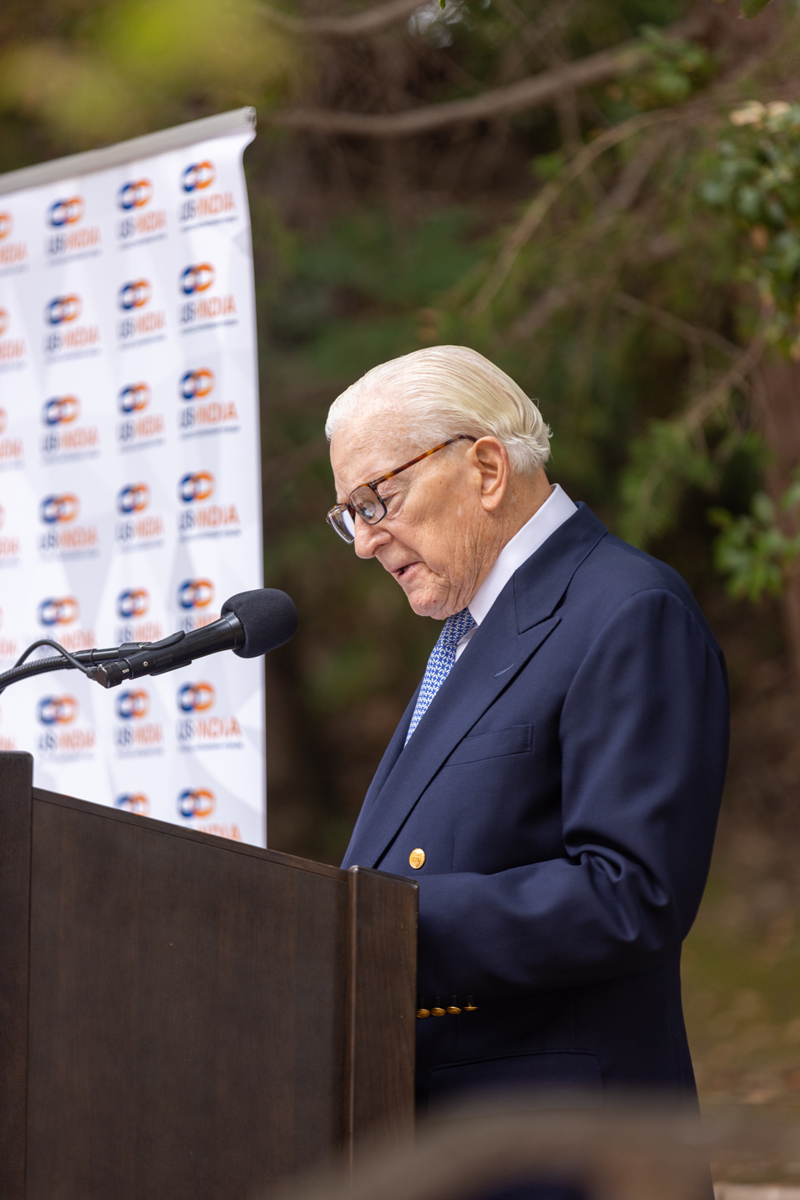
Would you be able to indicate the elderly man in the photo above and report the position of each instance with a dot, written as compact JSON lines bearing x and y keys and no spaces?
{"x":553,"y":786}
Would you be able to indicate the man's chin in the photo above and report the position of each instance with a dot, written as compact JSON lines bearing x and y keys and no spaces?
{"x":424,"y":606}
{"x":424,"y":600}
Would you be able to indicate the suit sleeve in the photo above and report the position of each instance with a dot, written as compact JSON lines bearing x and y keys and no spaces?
{"x":644,"y":742}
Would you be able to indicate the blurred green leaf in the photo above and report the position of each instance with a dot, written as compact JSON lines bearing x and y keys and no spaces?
{"x":751,"y":8}
{"x":751,"y":551}
{"x":137,"y":62}
{"x":548,"y":166}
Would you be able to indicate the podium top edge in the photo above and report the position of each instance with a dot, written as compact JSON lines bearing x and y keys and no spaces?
{"x":404,"y":879}
{"x":123,"y":152}
{"x":154,"y":825}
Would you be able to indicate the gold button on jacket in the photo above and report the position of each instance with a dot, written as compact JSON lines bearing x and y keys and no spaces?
{"x":416,"y":858}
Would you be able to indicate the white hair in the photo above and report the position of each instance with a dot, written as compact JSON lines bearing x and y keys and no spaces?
{"x":444,"y":391}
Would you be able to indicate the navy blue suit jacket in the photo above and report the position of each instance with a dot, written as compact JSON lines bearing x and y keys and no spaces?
{"x":564,"y":785}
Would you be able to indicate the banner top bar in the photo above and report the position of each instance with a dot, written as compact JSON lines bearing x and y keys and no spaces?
{"x":122,"y":152}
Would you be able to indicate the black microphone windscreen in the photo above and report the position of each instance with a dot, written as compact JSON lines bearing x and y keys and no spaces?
{"x":268,"y":617}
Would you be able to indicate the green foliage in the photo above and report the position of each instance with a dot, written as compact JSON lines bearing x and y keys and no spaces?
{"x":689,"y":434}
{"x":592,"y":25}
{"x":661,"y":466}
{"x":754,"y":179}
{"x":136,"y":62}
{"x":345,"y":674}
{"x":673,"y":70}
{"x":614,"y":318}
{"x":362,"y":288}
{"x":751,"y":8}
{"x":548,"y":166}
{"x":752,"y":551}
{"x":494,"y":42}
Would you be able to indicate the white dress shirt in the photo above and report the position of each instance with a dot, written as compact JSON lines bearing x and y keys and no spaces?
{"x":557,"y":509}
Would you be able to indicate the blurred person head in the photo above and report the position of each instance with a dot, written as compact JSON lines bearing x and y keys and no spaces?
{"x":455,"y":452}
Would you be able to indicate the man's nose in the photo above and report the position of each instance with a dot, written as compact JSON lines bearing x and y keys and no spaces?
{"x":369,"y":537}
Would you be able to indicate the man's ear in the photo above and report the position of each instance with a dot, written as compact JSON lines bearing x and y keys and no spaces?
{"x":490,"y":459}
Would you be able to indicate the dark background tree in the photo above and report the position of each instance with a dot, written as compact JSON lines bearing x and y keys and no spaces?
{"x":599,"y":195}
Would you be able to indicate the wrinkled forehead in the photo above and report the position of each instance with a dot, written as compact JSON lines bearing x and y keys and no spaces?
{"x":368,"y":445}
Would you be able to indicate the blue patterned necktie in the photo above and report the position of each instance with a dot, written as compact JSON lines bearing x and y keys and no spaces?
{"x":440,"y":663}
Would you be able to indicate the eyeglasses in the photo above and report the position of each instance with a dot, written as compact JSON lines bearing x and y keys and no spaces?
{"x":365,"y":501}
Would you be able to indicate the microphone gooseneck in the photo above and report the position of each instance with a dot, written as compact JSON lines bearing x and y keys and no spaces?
{"x":251,"y":624}
{"x":178,"y":650}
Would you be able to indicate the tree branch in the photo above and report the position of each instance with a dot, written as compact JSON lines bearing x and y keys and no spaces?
{"x":546,"y":306}
{"x":538,"y":209}
{"x":706,"y":404}
{"x":683,"y":329}
{"x":372,"y":20}
{"x":533,"y":33}
{"x":514,"y":97}
{"x":632,"y":178}
{"x":701,"y":408}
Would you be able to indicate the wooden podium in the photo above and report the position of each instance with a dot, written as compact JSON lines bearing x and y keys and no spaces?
{"x":187,"y":1017}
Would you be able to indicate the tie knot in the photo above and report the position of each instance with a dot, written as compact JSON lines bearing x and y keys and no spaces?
{"x":456,"y":626}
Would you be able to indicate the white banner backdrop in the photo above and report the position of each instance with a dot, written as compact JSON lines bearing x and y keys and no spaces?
{"x":130,"y":497}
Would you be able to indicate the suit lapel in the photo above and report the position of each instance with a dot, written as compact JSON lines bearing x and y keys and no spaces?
{"x":520,"y":620}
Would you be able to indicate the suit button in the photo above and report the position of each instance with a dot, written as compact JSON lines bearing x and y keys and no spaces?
{"x":437,"y":1012}
{"x":453,"y":1009}
{"x":423,"y":1012}
{"x":416,"y":858}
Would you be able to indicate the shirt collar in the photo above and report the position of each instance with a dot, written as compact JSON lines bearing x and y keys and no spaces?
{"x":556,"y":509}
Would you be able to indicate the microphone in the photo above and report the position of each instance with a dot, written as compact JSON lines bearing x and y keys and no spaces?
{"x":251,"y":624}
{"x":268,"y":618}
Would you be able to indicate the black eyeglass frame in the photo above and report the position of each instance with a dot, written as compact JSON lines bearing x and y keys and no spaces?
{"x":335,"y":515}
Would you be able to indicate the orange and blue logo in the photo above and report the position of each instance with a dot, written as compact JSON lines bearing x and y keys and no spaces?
{"x":133,"y":602}
{"x":134,"y":497}
{"x":62,"y":309}
{"x":197,"y":278}
{"x":195,"y":593}
{"x":196,"y":802}
{"x":135,"y":294}
{"x":196,"y":697}
{"x":66,"y":212}
{"x":135,"y":194}
{"x":57,"y":710}
{"x":60,"y":410}
{"x":134,"y":397}
{"x":57,"y":510}
{"x":195,"y":385}
{"x":61,"y":610}
{"x":134,"y":802}
{"x":6,"y":224}
{"x":198,"y":176}
{"x":197,"y":485}
{"x":132,"y":704}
